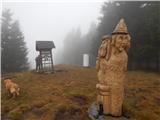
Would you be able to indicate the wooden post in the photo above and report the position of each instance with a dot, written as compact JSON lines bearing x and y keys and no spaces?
{"x":51,"y":60}
{"x":41,"y":60}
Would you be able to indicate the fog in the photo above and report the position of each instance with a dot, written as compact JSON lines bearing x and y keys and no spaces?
{"x":52,"y":21}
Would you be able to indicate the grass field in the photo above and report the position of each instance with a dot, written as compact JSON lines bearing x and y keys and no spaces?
{"x":67,"y":94}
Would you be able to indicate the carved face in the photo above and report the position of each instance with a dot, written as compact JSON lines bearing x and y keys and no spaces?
{"x":119,"y":42}
{"x":122,"y":42}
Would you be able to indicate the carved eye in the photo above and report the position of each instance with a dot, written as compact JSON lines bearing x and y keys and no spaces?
{"x":120,"y":37}
{"x":126,"y":37}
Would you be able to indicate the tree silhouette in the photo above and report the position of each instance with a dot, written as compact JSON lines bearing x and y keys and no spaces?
{"x":14,"y":51}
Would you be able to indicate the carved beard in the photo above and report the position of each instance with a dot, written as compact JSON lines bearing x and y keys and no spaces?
{"x":120,"y":48}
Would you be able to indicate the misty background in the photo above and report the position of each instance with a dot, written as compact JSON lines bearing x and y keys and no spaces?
{"x":76,"y":28}
{"x":52,"y":21}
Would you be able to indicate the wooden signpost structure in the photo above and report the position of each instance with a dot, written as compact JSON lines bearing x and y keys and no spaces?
{"x":45,"y":51}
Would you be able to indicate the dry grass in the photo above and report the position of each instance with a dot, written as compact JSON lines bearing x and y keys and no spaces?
{"x":143,"y":95}
{"x":69,"y":92}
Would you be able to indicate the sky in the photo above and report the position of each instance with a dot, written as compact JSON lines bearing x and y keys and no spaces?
{"x":52,"y":20}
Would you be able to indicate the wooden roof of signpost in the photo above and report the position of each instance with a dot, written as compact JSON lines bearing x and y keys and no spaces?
{"x":44,"y":45}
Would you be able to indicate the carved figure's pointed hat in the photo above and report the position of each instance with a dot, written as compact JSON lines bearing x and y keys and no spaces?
{"x":121,"y":28}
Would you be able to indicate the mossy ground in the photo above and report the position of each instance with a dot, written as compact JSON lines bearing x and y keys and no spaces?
{"x":69,"y":92}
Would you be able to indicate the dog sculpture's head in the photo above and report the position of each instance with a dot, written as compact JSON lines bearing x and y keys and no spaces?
{"x":6,"y":81}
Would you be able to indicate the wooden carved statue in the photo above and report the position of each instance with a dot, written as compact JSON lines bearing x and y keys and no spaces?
{"x":111,"y":65}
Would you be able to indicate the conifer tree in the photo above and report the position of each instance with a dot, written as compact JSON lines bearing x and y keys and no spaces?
{"x":13,"y":47}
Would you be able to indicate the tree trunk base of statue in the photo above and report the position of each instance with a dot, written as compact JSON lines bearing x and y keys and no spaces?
{"x":96,"y":114}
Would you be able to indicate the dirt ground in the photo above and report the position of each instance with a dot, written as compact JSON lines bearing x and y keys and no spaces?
{"x":67,"y":94}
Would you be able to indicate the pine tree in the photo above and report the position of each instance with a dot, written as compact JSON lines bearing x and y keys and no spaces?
{"x":142,"y":19}
{"x":14,"y":51}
